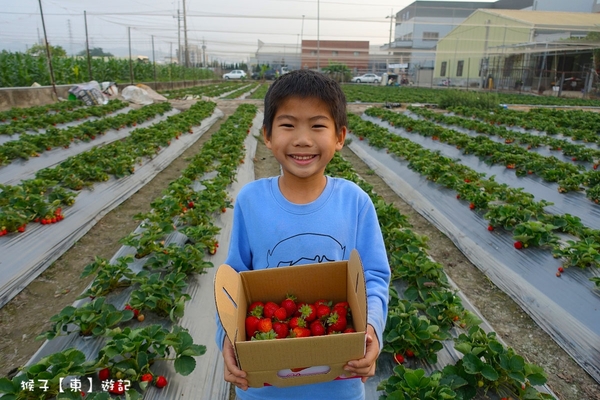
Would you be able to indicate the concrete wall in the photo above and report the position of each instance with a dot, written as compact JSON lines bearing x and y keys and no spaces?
{"x":42,"y":95}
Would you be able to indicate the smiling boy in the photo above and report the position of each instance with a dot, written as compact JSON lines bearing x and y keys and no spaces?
{"x":304,"y":216}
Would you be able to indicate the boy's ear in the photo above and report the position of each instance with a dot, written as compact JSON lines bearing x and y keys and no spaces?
{"x":265,"y":138}
{"x":341,"y":136}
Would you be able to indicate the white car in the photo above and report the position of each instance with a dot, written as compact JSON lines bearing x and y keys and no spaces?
{"x":235,"y":74}
{"x":367,"y":78}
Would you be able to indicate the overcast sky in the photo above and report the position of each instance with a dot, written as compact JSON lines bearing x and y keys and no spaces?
{"x":230,"y":29}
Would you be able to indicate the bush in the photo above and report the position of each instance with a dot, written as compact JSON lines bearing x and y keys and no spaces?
{"x":482,"y":100}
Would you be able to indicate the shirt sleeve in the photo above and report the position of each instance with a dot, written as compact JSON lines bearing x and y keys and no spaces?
{"x":371,"y":248}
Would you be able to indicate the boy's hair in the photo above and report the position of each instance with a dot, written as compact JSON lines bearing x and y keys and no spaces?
{"x":305,"y":83}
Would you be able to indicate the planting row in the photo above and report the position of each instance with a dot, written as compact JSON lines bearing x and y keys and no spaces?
{"x":43,"y":121}
{"x":206,"y":90}
{"x":36,"y":199}
{"x":158,"y":289}
{"x":427,"y":313}
{"x":17,"y":113}
{"x":27,"y":146}
{"x":569,"y":176}
{"x":510,"y":208}
{"x":241,"y":91}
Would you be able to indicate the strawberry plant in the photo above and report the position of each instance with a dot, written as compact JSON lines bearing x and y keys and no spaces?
{"x":130,"y":353}
{"x":108,"y":276}
{"x":188,"y":259}
{"x":150,"y":239}
{"x":535,"y":233}
{"x":580,"y":253}
{"x":42,"y":379}
{"x":95,"y":318}
{"x":406,"y":383}
{"x":161,"y":294}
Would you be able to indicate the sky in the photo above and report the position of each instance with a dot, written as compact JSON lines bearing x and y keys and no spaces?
{"x":230,"y":29}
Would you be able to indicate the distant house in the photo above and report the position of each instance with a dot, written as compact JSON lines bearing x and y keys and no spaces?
{"x":512,"y":48}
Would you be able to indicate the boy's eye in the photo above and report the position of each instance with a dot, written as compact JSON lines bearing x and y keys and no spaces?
{"x":287,"y":125}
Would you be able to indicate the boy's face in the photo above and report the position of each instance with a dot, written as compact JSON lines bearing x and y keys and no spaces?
{"x":303,"y":138}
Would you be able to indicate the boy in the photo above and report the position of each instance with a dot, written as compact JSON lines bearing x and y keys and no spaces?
{"x":303,"y":217}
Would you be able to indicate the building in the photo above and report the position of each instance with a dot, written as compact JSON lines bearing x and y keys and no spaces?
{"x":318,"y":54}
{"x":420,"y":25}
{"x":587,"y":6}
{"x":508,"y":49}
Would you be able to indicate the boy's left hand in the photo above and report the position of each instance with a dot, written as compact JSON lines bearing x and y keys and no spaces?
{"x":365,"y":367}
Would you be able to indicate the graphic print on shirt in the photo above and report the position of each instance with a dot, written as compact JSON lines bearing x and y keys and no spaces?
{"x":293,"y":250}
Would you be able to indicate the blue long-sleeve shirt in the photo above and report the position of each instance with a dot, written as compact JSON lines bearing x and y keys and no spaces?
{"x":271,"y":232}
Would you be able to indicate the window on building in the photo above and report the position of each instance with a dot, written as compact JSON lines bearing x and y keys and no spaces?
{"x":356,"y":53}
{"x":459,"y":67}
{"x":431,"y":36}
{"x":313,"y":52}
{"x":334,"y":53}
{"x":509,"y":63}
{"x":443,"y":69}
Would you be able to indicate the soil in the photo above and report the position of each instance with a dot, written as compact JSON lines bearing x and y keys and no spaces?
{"x":27,"y":315}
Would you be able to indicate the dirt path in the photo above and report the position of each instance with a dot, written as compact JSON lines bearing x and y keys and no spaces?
{"x":27,"y":314}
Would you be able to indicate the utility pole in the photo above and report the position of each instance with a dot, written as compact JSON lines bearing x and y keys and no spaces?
{"x":187,"y":53}
{"x":48,"y":54}
{"x":391,"y":17}
{"x":130,"y":60}
{"x":178,"y":37}
{"x":203,"y":53}
{"x":154,"y":64}
{"x":318,"y":36}
{"x":70,"y":36}
{"x":87,"y":47}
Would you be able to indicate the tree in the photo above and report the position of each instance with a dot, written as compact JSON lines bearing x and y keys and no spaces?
{"x":38,"y":50}
{"x":339,"y":72}
{"x":95,"y":52}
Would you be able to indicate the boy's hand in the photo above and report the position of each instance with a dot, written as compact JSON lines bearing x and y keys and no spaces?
{"x":232,"y":373}
{"x":365,"y":367}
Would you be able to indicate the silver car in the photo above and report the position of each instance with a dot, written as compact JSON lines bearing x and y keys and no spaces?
{"x":235,"y":74}
{"x":367,"y":78}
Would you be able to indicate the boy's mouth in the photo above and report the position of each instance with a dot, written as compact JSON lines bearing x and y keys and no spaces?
{"x":302,"y":158}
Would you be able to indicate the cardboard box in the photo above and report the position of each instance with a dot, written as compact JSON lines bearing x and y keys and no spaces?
{"x":293,"y":361}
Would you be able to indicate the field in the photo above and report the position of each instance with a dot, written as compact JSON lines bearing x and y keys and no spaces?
{"x":431,"y":183}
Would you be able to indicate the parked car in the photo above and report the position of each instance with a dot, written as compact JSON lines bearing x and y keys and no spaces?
{"x":367,"y":78}
{"x":269,"y":74}
{"x":235,"y":74}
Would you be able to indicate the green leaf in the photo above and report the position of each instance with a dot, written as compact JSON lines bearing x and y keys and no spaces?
{"x":185,"y":365}
{"x":6,"y":386}
{"x":471,"y":363}
{"x":516,"y":363}
{"x":489,"y":372}
{"x":464,"y":348}
{"x":537,"y":379}
{"x":412,"y":379}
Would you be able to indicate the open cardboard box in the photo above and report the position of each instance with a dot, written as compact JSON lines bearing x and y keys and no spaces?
{"x":293,"y":361}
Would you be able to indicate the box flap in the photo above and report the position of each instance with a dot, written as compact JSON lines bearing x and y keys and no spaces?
{"x":356,"y":284}
{"x":228,"y":300}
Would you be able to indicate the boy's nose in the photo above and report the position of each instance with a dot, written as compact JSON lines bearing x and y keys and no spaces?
{"x":302,"y":137}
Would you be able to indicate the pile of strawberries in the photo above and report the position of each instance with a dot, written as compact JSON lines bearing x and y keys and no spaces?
{"x":291,"y":319}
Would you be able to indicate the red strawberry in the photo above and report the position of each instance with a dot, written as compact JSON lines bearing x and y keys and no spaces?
{"x":289,"y":303}
{"x":490,"y":228}
{"x":308,"y":312}
{"x":458,"y":196}
{"x":409,"y":353}
{"x":574,"y":159}
{"x":191,"y":204}
{"x":399,"y":358}
{"x":343,"y":311}
{"x":323,"y":311}
{"x":300,"y":332}
{"x":264,"y":325}
{"x":21,"y":228}
{"x":321,"y":301}
{"x":297,"y":322}
{"x":336,"y":323}
{"x":256,"y":309}
{"x":117,"y":388}
{"x":518,"y":245}
{"x":561,"y":269}
{"x":270,"y":309}
{"x":161,"y":382}
{"x":472,"y":206}
{"x":349,"y":330}
{"x":595,"y":166}
{"x":317,"y":328}
{"x":280,"y":314}
{"x":147,"y":378}
{"x":281,"y":329}
{"x":104,"y":374}
{"x":251,"y":325}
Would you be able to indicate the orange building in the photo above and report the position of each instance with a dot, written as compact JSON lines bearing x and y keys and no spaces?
{"x":352,"y":53}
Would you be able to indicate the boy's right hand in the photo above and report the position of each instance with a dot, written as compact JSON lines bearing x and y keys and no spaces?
{"x":232,"y":373}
